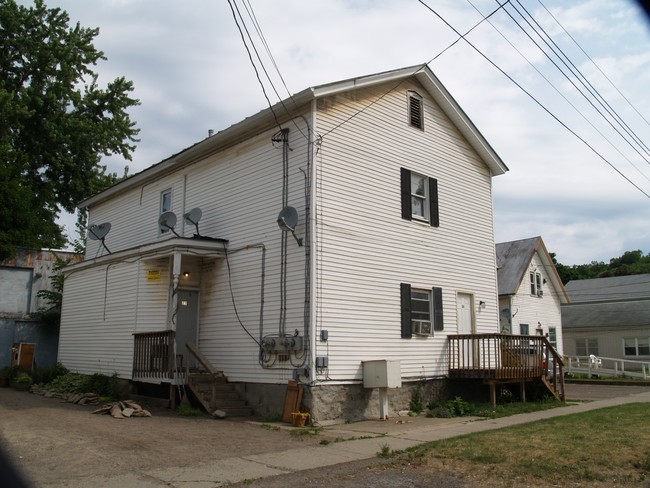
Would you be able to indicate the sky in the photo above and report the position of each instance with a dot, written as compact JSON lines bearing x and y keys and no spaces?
{"x":589,"y":199}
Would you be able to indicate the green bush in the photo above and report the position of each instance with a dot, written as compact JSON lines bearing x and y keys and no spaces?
{"x":417,"y":400}
{"x":46,"y":375}
{"x":102,"y":385}
{"x":452,"y":408}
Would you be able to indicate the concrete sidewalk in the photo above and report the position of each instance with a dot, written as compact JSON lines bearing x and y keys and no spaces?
{"x":362,"y":440}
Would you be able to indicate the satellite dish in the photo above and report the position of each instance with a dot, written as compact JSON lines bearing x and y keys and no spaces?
{"x":98,"y":232}
{"x":192,"y":217}
{"x":167,"y":220}
{"x":287,"y":221}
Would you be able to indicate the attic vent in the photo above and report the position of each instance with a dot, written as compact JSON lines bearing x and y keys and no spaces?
{"x":415,"y":110}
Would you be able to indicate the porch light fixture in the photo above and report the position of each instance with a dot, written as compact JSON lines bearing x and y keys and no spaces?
{"x":481,"y":304}
{"x":186,"y":274}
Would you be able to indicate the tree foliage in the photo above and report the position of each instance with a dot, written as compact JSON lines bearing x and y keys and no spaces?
{"x":630,"y":263}
{"x":56,"y":123}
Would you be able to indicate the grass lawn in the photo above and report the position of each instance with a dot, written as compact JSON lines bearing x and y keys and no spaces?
{"x":606,"y":447}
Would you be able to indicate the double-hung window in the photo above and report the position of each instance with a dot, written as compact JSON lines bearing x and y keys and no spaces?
{"x":552,"y":336}
{"x":536,"y":283}
{"x":636,"y":346}
{"x":419,"y":197}
{"x":421,"y":311}
{"x":165,"y":206}
{"x":586,"y":347}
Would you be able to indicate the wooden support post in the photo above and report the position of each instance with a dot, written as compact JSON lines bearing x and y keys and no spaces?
{"x":522,"y":390}
{"x":172,"y":396}
{"x":493,"y":394}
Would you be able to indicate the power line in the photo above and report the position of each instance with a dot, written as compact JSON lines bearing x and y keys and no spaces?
{"x":542,"y":106}
{"x":250,"y":57}
{"x":550,"y":83}
{"x":418,"y":68}
{"x":580,"y":77}
{"x":594,"y":63}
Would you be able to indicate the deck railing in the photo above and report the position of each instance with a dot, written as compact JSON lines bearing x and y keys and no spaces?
{"x":153,"y":355}
{"x":503,"y":357}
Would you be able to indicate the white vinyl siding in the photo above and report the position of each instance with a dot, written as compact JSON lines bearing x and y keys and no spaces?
{"x":537,"y":309}
{"x":216,"y":185}
{"x":365,"y":249}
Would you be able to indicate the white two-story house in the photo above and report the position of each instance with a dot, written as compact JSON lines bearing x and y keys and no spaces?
{"x":349,"y":223}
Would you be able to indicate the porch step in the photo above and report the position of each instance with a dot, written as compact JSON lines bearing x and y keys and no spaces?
{"x":215,"y":393}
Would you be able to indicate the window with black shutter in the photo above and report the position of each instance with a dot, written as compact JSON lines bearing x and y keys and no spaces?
{"x":421,"y":311}
{"x":419,"y":197}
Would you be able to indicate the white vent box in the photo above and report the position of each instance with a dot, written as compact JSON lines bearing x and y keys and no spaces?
{"x":382,"y":373}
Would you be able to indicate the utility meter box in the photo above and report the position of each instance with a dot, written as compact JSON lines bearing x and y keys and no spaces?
{"x":382,"y":373}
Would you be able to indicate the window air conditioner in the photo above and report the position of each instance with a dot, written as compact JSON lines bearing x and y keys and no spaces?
{"x":422,"y":328}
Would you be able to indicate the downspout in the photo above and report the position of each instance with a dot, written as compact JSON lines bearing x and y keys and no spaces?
{"x":312,"y":248}
{"x":184,"y":203}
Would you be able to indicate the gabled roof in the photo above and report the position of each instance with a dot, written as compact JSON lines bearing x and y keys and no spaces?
{"x":612,"y":288}
{"x":635,"y":313}
{"x":513,"y":258}
{"x":299,"y":104}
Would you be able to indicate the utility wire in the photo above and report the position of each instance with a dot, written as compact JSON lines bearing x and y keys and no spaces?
{"x":580,"y":78}
{"x":599,"y":98}
{"x":550,"y":83}
{"x":534,"y":99}
{"x":594,"y":63}
{"x":250,"y":57}
{"x":417,"y":69}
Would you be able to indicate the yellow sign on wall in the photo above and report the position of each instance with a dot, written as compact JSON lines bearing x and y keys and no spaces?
{"x":154,"y":275}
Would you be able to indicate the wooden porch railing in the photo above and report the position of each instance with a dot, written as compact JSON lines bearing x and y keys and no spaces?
{"x":153,"y":355}
{"x":504,"y":357}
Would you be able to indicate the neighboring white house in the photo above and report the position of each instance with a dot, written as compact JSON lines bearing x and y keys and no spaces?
{"x":609,"y":317}
{"x":391,"y":252}
{"x":530,"y":291}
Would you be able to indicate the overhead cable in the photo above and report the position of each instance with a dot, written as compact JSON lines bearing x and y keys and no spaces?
{"x":542,"y":106}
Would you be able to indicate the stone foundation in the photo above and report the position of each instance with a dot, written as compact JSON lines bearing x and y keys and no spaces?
{"x":340,"y":403}
{"x":350,"y":403}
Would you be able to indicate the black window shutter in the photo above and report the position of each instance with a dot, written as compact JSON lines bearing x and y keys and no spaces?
{"x":405,"y":304}
{"x":405,"y":180}
{"x":437,"y":310}
{"x":433,"y":203}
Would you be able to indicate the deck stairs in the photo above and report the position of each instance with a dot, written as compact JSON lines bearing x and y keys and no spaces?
{"x":212,"y":390}
{"x":215,"y":394}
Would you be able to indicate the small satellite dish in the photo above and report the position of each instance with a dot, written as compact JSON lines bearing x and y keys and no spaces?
{"x":167,"y":220}
{"x":287,"y":221}
{"x":193,"y":216}
{"x":98,"y":232}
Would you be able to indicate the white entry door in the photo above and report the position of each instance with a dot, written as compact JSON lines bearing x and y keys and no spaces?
{"x":466,"y":326}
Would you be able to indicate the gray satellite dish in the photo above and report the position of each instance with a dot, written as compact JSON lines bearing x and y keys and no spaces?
{"x":287,"y":220}
{"x":192,"y":217}
{"x":98,"y":232}
{"x":167,"y":220}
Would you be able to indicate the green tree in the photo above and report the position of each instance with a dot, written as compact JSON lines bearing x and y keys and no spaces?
{"x":56,"y":123}
{"x":630,"y":263}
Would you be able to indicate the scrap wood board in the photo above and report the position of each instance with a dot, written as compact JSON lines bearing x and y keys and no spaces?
{"x":292,"y":400}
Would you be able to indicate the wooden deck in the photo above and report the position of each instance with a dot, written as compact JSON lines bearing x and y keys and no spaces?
{"x":504,"y":358}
